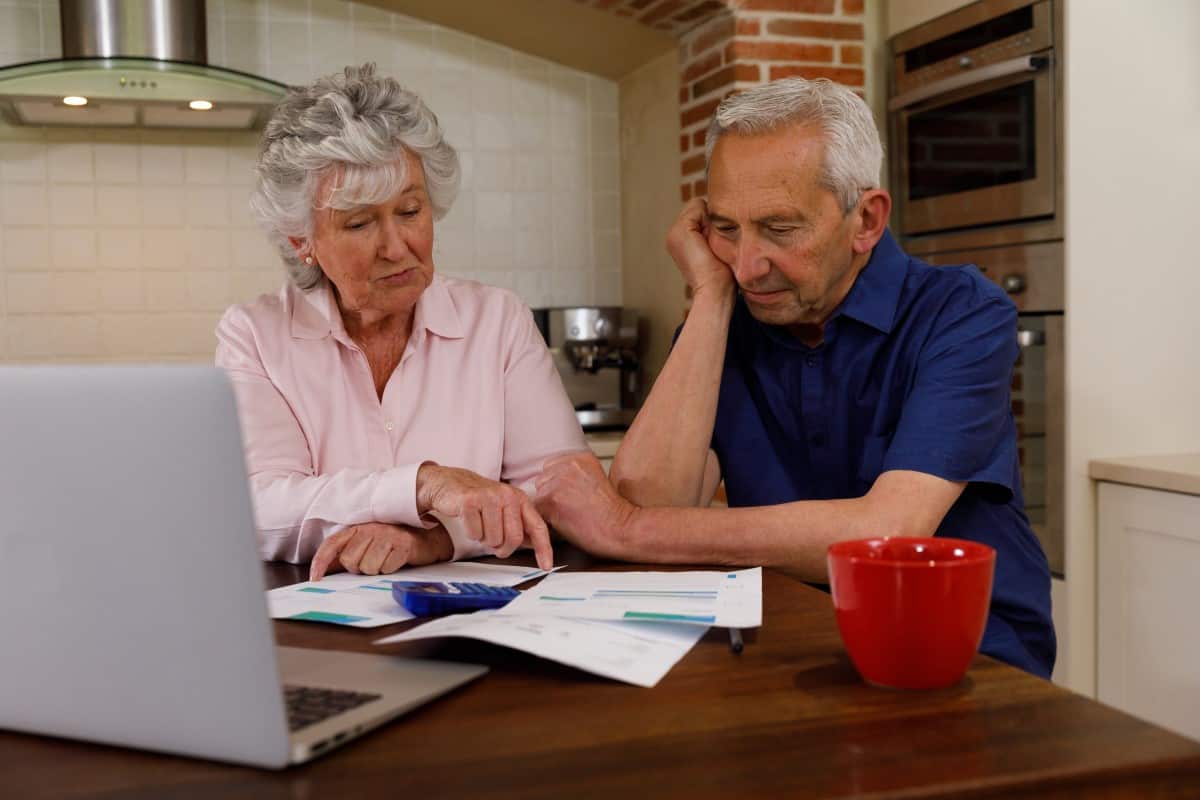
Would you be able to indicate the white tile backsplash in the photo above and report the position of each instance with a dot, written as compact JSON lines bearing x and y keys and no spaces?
{"x":73,"y":248}
{"x":48,"y":336}
{"x":209,"y":291}
{"x":119,"y":206}
{"x":161,"y":164}
{"x":206,"y":164}
{"x":117,"y":162}
{"x":206,"y":206}
{"x":166,"y":291}
{"x":72,"y":204}
{"x":127,"y":244}
{"x":161,"y":250}
{"x":71,"y":162}
{"x":29,"y":292}
{"x":26,"y":248}
{"x":162,"y":206}
{"x":23,"y":204}
{"x":122,"y":290}
{"x":533,"y":249}
{"x":208,"y":248}
{"x":120,"y":248}
{"x":23,"y":161}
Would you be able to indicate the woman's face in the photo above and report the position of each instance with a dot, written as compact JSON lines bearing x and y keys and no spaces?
{"x":380,"y":257}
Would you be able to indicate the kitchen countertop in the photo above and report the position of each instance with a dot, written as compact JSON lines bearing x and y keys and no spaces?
{"x":605,"y":444}
{"x":1179,"y":472}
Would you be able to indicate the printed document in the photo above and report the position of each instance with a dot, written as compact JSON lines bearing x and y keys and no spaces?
{"x":365,"y":601}
{"x":726,"y":599}
{"x":640,"y":653}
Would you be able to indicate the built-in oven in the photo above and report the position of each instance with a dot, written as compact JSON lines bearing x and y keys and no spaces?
{"x":1032,"y":276}
{"x":975,"y":139}
{"x":974,"y":118}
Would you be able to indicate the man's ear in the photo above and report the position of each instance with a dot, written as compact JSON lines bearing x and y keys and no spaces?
{"x":873,"y":210}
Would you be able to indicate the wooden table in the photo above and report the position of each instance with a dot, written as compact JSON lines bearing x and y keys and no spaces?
{"x":787,"y":717}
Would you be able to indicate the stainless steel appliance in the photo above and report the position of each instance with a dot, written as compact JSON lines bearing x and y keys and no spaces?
{"x":975,"y":118}
{"x":134,"y":63}
{"x":595,"y":349}
{"x":1032,"y":276}
{"x":975,"y":126}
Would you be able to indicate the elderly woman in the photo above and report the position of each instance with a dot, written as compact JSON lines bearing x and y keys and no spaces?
{"x":382,"y":404}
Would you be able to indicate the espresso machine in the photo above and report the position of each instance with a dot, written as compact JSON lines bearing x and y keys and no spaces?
{"x":595,"y":349}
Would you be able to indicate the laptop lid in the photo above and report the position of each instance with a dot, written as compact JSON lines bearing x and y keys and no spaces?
{"x":131,"y":595}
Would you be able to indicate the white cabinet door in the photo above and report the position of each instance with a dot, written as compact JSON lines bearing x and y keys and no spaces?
{"x":1148,"y":588}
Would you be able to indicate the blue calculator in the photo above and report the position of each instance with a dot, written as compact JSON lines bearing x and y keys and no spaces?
{"x":425,"y":598}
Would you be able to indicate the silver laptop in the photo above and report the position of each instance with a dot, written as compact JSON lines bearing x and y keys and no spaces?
{"x":132,"y":607}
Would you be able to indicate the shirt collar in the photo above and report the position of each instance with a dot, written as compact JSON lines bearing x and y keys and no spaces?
{"x":876,"y":291}
{"x":315,"y":314}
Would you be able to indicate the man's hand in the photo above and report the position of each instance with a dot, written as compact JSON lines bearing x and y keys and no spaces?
{"x":688,"y":247}
{"x":576,"y":498}
{"x":376,"y":548}
{"x":494,"y":513}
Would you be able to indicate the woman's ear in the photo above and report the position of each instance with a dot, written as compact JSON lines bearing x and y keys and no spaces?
{"x":300,"y":245}
{"x":873,"y":210}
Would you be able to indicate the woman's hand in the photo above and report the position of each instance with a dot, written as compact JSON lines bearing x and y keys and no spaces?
{"x":376,"y":548}
{"x":494,"y":513}
{"x":687,"y":244}
{"x":576,"y":498}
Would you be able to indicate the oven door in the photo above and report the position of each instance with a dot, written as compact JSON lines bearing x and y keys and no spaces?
{"x":979,"y":153}
{"x":1037,"y":399}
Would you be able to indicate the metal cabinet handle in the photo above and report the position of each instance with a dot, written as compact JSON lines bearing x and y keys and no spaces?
{"x":1013,"y":284}
{"x":1028,"y":338}
{"x":1000,"y":69}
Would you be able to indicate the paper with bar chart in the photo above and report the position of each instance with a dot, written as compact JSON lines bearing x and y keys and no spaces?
{"x":726,"y":599}
{"x":365,"y":601}
{"x":640,"y":653}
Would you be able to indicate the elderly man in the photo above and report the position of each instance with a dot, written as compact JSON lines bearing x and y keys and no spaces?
{"x":839,"y":387}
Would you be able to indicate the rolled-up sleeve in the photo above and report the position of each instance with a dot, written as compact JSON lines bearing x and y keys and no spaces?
{"x":539,"y":420}
{"x":296,"y":509}
{"x":957,"y":422}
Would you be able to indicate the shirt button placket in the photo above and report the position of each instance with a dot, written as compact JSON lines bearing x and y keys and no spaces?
{"x":814,"y":421}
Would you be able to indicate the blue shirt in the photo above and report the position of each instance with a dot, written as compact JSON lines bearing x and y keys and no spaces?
{"x":914,"y":373}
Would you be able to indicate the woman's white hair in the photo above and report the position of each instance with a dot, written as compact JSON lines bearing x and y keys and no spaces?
{"x":853,"y":152}
{"x":352,"y":125}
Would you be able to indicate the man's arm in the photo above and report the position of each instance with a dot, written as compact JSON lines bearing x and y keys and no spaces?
{"x":576,"y":500}
{"x":665,"y":459}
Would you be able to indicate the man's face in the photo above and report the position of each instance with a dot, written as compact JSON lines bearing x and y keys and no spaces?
{"x":782,"y":234}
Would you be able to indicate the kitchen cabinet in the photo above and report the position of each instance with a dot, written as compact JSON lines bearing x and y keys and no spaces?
{"x":605,"y":445}
{"x":1148,"y":584}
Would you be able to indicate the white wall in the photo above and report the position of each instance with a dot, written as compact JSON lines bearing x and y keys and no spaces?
{"x":650,"y":176}
{"x":126,"y":245}
{"x":904,"y":14}
{"x":1133,"y":278}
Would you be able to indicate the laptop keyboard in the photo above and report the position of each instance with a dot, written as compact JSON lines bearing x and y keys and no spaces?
{"x":308,"y":705}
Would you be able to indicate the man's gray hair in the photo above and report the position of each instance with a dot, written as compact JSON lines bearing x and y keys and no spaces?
{"x":853,"y":152}
{"x":354,"y":125}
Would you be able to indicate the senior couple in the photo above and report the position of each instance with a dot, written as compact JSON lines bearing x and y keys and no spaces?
{"x":840,"y":388}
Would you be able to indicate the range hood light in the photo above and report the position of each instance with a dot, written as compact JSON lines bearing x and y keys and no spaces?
{"x":134,"y":63}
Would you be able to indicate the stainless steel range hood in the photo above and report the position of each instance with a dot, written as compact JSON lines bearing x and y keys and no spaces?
{"x":135,"y":63}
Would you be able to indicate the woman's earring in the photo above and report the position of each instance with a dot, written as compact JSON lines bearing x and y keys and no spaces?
{"x":308,"y":260}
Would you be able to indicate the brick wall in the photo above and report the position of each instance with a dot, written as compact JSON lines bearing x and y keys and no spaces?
{"x":755,"y":41}
{"x":727,"y":45}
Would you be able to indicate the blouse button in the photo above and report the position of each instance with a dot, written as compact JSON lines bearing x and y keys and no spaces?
{"x":387,"y":426}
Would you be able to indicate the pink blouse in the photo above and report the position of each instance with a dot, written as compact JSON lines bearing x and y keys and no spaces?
{"x":475,"y":389}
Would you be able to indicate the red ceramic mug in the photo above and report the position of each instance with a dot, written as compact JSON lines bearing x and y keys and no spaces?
{"x":911,"y":610}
